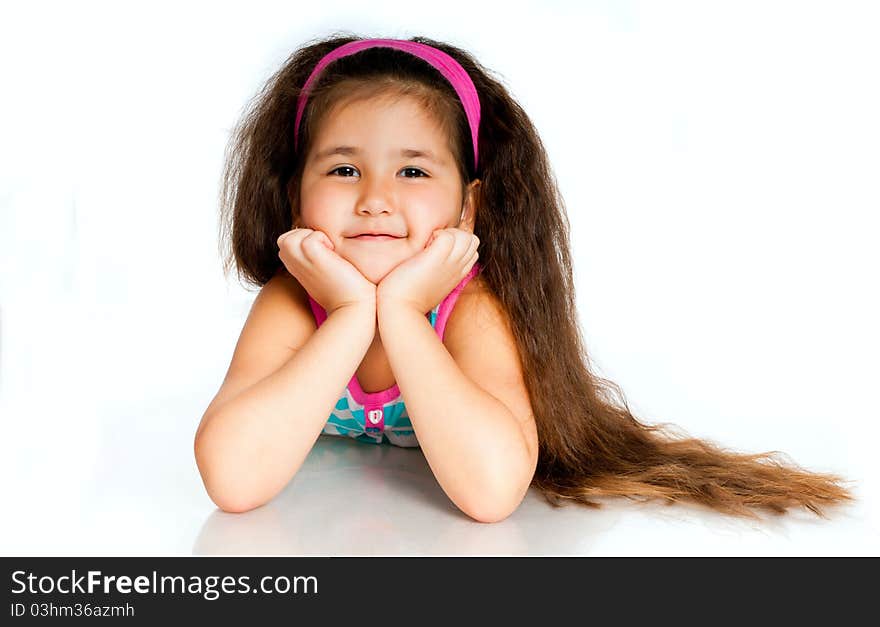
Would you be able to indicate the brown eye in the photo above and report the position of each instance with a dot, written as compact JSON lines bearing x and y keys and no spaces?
{"x":420,"y":172}
{"x":343,"y":167}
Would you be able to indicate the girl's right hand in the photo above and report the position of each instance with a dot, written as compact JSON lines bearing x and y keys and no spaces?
{"x":331,"y":280}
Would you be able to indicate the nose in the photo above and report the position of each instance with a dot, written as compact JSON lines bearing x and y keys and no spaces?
{"x":377,"y":196}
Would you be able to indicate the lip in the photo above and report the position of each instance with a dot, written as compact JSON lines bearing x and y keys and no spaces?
{"x":375,"y":238}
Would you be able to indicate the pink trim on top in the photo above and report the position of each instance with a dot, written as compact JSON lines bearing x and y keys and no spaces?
{"x":449,"y":302}
{"x":443,"y":313}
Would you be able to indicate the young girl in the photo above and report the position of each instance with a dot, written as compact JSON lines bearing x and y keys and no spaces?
{"x":363,"y":185}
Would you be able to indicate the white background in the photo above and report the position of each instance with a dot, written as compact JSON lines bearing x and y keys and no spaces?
{"x":719,"y":164}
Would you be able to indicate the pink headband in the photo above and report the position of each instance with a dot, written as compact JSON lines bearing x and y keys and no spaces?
{"x":449,"y":67}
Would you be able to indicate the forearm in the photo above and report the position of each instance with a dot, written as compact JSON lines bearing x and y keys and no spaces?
{"x":252,"y":446}
{"x":470,"y":439}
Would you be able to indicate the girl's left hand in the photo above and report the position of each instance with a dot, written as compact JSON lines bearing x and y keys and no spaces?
{"x":427,"y":277}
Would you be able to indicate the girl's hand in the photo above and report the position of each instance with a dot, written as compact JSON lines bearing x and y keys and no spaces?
{"x":426,"y":278}
{"x":331,"y":280}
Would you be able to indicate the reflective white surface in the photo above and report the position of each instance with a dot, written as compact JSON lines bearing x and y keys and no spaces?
{"x":401,"y":510}
{"x":719,"y":168}
{"x":351,"y":498}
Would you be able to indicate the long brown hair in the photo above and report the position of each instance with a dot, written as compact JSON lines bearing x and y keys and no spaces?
{"x":590,"y":444}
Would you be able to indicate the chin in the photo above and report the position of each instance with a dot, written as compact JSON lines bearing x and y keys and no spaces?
{"x":373,"y":270}
{"x":376,"y":277}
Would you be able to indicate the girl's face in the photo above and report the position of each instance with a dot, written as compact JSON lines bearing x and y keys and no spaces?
{"x":383,"y":166}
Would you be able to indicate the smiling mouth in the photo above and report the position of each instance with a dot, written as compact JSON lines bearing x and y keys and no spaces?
{"x":375,"y":238}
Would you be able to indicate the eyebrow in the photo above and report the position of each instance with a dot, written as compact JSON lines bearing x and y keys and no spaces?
{"x":405,"y":152}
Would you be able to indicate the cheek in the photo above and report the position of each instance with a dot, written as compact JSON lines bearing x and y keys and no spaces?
{"x":431,"y":216}
{"x":422,"y":234}
{"x":321,"y":208}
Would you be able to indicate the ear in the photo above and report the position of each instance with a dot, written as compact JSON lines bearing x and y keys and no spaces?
{"x":470,"y":206}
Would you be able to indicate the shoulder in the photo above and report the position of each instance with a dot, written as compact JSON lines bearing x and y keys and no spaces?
{"x":284,"y":287}
{"x":476,"y":311}
{"x":279,"y":323}
{"x":282,"y":307}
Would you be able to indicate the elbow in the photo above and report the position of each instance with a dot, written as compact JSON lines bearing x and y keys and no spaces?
{"x":491,"y":506}
{"x":489,"y":511}
{"x":488,"y":517}
{"x":232,"y":506}
{"x":500,"y":497}
{"x":220,"y":491}
{"x":229,"y":500}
